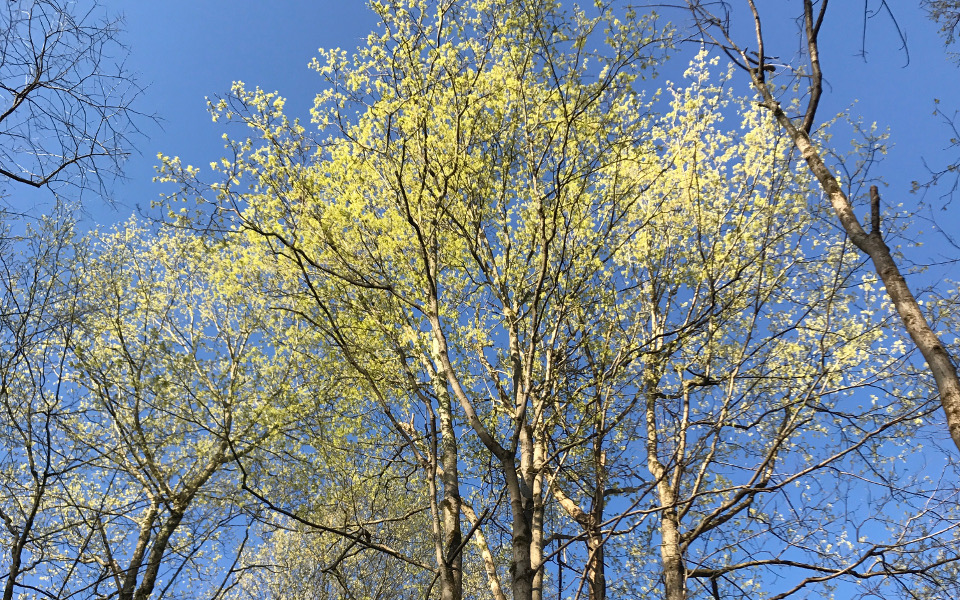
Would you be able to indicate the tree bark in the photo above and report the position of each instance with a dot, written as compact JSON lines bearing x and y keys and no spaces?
{"x":671,"y":554}
{"x":521,"y":504}
{"x":596,"y":572}
{"x":452,"y":579}
{"x":160,"y":543}
{"x":872,"y":244}
{"x":537,"y":543}
{"x":136,"y":561}
{"x":674,"y":576}
{"x":489,"y":564}
{"x":596,"y":576}
{"x":938,"y":360}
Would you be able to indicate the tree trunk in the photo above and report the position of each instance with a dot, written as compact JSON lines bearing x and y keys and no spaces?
{"x":136,"y":561}
{"x":521,"y":505}
{"x":938,"y":360}
{"x":450,"y":507}
{"x":674,"y":577}
{"x":489,"y":564}
{"x":536,"y":545}
{"x":596,"y":577}
{"x":157,"y":554}
{"x":674,"y":572}
{"x":872,"y":244}
{"x":595,"y":566}
{"x":16,"y":552}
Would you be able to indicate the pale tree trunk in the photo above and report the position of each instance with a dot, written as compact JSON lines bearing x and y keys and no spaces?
{"x":520,"y":487}
{"x":671,"y":555}
{"x":489,"y":564}
{"x":872,"y":244}
{"x":521,"y":507}
{"x":452,"y":567}
{"x":135,"y":587}
{"x":177,"y":506}
{"x":20,"y":541}
{"x":926,"y":340}
{"x":591,"y":523}
{"x":451,"y":548}
{"x":521,"y":504}
{"x":674,"y":577}
{"x":536,"y":544}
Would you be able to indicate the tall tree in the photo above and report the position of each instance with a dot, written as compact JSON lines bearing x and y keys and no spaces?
{"x":182,"y":374}
{"x":65,"y":113}
{"x":798,"y":116}
{"x":41,"y":303}
{"x":535,"y":284}
{"x":459,"y":232}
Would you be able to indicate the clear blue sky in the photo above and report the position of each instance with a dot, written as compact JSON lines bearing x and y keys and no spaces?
{"x":186,"y":50}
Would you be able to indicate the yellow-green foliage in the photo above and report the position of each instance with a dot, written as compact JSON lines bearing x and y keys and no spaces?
{"x":180,"y":354}
{"x":602,"y":266}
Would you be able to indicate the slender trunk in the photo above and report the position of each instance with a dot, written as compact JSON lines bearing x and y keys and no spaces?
{"x":591,"y":524}
{"x":872,"y":244}
{"x":673,"y":569}
{"x":671,"y":556}
{"x":451,"y":538}
{"x":133,"y":569}
{"x":596,"y":574}
{"x":16,"y":552}
{"x":489,"y":564}
{"x":927,"y":341}
{"x":40,"y":480}
{"x":521,"y":505}
{"x":450,"y":507}
{"x":536,"y":545}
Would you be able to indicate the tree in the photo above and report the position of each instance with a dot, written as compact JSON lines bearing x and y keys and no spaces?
{"x":800,"y":126}
{"x":64,"y":118}
{"x":65,"y":98}
{"x":534,"y":285}
{"x":182,"y":374}
{"x":41,"y":303}
{"x":562,"y":111}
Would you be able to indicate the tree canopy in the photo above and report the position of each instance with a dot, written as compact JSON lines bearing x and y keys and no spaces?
{"x":509,"y":318}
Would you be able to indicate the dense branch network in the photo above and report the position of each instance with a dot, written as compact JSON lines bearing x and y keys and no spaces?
{"x":65,"y":96}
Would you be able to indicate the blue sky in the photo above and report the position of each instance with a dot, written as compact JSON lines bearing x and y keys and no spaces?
{"x":185,"y":50}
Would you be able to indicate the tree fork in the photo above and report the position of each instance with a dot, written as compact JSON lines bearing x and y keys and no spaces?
{"x":927,"y":341}
{"x":872,"y":244}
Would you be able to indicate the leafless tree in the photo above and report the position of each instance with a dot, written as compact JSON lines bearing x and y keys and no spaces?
{"x":65,"y":95}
